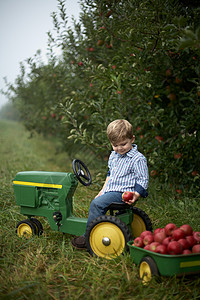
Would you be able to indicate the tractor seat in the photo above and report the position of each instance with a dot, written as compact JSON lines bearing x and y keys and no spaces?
{"x":117,"y":206}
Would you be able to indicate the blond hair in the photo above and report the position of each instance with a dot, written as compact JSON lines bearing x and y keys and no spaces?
{"x":119,"y":130}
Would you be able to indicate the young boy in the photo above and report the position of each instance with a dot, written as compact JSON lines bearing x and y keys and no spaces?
{"x":128,"y":171}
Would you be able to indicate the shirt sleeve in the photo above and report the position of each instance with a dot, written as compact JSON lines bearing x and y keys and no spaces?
{"x":142,"y":177}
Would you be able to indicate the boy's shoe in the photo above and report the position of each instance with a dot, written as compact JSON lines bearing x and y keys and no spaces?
{"x":79,"y":242}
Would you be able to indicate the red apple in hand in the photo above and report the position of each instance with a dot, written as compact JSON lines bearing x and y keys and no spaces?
{"x":138,"y":242}
{"x":196,"y":235}
{"x":126,"y":196}
{"x":178,"y":234}
{"x":174,"y":248}
{"x":187,"y":229}
{"x":169,"y":228}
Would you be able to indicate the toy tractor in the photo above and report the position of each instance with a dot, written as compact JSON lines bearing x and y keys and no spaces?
{"x":50,"y":195}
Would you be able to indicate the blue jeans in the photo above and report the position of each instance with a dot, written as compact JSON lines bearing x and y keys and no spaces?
{"x":99,"y":205}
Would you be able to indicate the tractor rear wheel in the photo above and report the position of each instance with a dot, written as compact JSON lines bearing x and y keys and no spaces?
{"x":107,"y":237}
{"x":26,"y":229}
{"x":140,"y":223}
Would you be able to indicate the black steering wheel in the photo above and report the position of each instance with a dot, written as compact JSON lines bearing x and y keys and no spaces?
{"x":81,"y":171}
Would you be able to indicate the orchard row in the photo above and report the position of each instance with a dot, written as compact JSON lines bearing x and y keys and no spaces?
{"x":137,"y":60}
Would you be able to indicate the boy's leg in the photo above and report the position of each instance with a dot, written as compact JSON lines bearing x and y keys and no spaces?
{"x":98,"y":207}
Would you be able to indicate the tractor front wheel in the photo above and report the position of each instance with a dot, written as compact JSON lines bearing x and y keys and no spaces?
{"x":26,"y":228}
{"x":107,"y":237}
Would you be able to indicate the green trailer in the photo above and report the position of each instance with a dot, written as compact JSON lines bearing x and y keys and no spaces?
{"x":51,"y":195}
{"x":155,"y":264}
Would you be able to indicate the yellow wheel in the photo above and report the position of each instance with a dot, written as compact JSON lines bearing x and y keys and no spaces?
{"x":140,"y":223}
{"x":107,"y":237}
{"x":38,"y":226}
{"x":25,"y":229}
{"x":147,"y":269}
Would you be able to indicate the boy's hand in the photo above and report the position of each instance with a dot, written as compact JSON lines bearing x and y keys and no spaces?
{"x":135,"y":196}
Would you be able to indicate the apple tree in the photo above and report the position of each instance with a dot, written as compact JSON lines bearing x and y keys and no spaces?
{"x":137,"y":60}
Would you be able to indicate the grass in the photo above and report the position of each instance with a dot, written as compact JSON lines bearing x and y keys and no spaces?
{"x":47,"y":267}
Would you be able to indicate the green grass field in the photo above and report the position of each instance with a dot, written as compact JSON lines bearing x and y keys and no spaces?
{"x":47,"y":267}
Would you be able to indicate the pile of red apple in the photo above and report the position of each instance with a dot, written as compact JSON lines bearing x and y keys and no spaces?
{"x":171,"y":240}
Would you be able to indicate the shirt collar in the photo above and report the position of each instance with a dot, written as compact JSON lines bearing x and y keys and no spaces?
{"x":130,"y":153}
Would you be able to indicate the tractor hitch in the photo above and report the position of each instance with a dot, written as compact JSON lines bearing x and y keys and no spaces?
{"x":57,"y":216}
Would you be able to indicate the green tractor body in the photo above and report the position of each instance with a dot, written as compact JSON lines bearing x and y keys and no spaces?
{"x":50,"y":195}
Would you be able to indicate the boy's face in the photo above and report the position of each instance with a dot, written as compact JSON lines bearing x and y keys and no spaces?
{"x":124,"y":146}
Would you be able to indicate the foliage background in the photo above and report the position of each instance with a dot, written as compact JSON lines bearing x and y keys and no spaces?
{"x":137,"y":60}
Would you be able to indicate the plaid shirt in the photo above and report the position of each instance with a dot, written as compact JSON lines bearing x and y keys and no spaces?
{"x":128,"y":172}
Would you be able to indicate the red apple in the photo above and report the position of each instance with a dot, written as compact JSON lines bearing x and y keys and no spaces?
{"x":168,"y":73}
{"x":162,"y":249}
{"x":152,"y":246}
{"x":138,"y":242}
{"x":172,"y":96}
{"x":177,"y":155}
{"x":184,"y":243}
{"x":147,"y":247}
{"x":186,"y":251}
{"x":178,"y":234}
{"x":194,"y":173}
{"x":160,"y":236}
{"x":169,"y":228}
{"x":196,"y":248}
{"x":196,"y":235}
{"x":191,"y":240}
{"x":153,"y":173}
{"x":167,"y":240}
{"x":174,"y":248}
{"x":158,"y":230}
{"x":148,"y":239}
{"x":100,"y":42}
{"x":187,"y":229}
{"x":144,"y":233}
{"x":159,"y":138}
{"x":126,"y":196}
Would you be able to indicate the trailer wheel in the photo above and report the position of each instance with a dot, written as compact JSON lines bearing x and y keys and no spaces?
{"x":140,"y":223}
{"x":147,"y":269}
{"x":107,"y":237}
{"x":26,"y":228}
{"x":38,"y":225}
